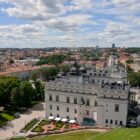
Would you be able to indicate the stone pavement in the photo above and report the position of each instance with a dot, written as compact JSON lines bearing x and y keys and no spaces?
{"x":13,"y":128}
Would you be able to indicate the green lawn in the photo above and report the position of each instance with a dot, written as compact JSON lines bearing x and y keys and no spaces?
{"x":116,"y":134}
{"x":81,"y":135}
{"x":4,"y":118}
{"x":120,"y":134}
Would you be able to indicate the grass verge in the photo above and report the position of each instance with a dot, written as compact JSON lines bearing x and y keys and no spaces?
{"x":4,"y":118}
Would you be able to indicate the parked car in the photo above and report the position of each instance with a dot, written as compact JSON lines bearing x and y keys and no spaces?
{"x":17,"y":115}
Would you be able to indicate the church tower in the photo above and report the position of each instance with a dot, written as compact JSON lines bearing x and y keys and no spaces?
{"x":113,"y":60}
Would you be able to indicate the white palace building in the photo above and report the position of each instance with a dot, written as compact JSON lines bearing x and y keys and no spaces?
{"x":90,"y":96}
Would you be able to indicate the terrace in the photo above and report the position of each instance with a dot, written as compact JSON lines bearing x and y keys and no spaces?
{"x":54,"y":125}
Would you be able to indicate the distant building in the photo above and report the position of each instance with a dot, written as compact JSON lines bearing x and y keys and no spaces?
{"x":113,"y":60}
{"x":136,"y":65}
{"x":123,"y":58}
{"x":2,"y":66}
{"x":113,"y":45}
{"x":21,"y":71}
{"x":97,"y":47}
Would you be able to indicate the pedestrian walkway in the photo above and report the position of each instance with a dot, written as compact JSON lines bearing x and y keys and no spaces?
{"x":13,"y":128}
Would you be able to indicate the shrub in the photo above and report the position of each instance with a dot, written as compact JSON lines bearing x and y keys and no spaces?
{"x":44,"y":122}
{"x":38,"y":129}
{"x":29,"y":125}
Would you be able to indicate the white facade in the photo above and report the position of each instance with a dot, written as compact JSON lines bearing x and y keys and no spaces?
{"x":112,"y":108}
{"x":82,"y":101}
{"x":102,"y":97}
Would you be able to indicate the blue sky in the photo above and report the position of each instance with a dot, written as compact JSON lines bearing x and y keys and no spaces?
{"x":70,"y":23}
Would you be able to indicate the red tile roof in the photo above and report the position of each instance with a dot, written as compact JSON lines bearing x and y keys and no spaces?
{"x":21,"y":68}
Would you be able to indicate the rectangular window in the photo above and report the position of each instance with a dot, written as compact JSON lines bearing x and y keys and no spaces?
{"x":57,"y":98}
{"x":68,"y":117}
{"x":68,"y":99}
{"x":121,"y":123}
{"x":87,"y":112}
{"x":116,"y":108}
{"x":75,"y":100}
{"x":57,"y":115}
{"x":75,"y":118}
{"x":111,"y":121}
{"x":88,"y":102}
{"x":50,"y":114}
{"x":116,"y":122}
{"x":67,"y":109}
{"x":75,"y":111}
{"x":95,"y":103}
{"x":50,"y":107}
{"x":50,"y":97}
{"x":57,"y":107}
{"x":106,"y":121}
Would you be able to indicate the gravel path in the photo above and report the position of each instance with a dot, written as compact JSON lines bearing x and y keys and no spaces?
{"x":13,"y":127}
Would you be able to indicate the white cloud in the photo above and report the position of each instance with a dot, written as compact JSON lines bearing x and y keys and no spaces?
{"x":25,"y":34}
{"x":43,"y":9}
{"x":34,"y":9}
{"x":71,"y":22}
{"x":80,"y":5}
{"x":115,"y":32}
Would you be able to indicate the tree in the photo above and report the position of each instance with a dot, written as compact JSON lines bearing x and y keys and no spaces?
{"x":11,"y":61}
{"x":35,"y":75}
{"x":19,"y":94}
{"x":134,"y":78}
{"x":129,"y":70}
{"x":7,"y":83}
{"x":27,"y":93}
{"x":39,"y":90}
{"x":44,"y":73}
{"x":53,"y":71}
{"x":16,"y":97}
{"x":129,"y":61}
{"x":48,"y":72}
{"x":132,"y":50}
{"x":65,"y":68}
{"x":2,"y":99}
{"x":52,"y":60}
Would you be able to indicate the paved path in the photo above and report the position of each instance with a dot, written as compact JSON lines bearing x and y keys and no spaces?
{"x":13,"y":128}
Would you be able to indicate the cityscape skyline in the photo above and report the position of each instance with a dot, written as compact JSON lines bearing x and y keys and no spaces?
{"x":69,"y":23}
